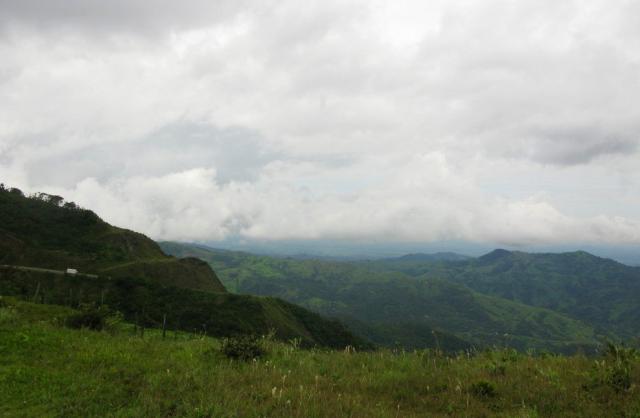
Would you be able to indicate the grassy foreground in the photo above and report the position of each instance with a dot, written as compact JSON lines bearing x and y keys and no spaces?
{"x":49,"y":370}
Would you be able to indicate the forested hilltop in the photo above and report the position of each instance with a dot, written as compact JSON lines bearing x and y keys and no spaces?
{"x":42,"y":235}
{"x":401,"y":301}
{"x":45,"y":231}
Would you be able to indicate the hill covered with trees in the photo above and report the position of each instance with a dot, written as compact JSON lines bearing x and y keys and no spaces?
{"x":597,"y":291}
{"x":45,"y":231}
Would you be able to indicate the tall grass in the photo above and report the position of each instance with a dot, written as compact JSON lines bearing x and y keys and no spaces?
{"x":49,"y":370}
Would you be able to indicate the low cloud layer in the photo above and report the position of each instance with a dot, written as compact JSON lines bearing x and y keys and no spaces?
{"x":497,"y":121}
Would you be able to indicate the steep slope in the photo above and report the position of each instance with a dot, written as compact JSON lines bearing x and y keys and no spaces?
{"x":44,"y":232}
{"x":379,"y":299}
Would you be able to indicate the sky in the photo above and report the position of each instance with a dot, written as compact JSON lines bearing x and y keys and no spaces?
{"x":507,"y":122}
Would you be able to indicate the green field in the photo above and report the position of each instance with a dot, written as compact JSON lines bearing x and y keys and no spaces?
{"x":47,"y":370}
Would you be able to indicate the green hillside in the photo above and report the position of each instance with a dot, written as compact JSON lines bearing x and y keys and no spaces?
{"x":597,"y":291}
{"x":148,"y":303}
{"x":42,"y":231}
{"x":392,"y":303}
{"x":47,"y":370}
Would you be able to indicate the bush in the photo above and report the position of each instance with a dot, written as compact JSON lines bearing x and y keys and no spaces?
{"x":618,"y":373}
{"x":483,"y":389}
{"x":614,"y":370}
{"x":89,"y":317}
{"x":245,"y":347}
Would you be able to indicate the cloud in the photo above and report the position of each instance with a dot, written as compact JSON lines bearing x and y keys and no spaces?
{"x":407,"y":120}
{"x":117,"y":16}
{"x":424,"y":201}
{"x":237,"y":154}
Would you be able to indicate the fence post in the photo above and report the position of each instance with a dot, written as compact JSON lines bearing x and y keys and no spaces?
{"x":35,"y":295}
{"x":164,"y":326}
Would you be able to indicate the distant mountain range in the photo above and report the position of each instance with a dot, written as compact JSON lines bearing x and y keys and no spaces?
{"x":561,"y":302}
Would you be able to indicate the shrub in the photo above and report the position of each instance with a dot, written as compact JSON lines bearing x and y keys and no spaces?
{"x":245,"y":347}
{"x":618,"y":373}
{"x":614,"y":370}
{"x":483,"y":389}
{"x":89,"y":317}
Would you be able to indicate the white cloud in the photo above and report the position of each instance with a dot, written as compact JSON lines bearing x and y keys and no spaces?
{"x":422,"y":201}
{"x":495,"y":120}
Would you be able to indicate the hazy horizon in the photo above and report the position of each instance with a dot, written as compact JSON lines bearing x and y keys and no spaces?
{"x":629,"y":254}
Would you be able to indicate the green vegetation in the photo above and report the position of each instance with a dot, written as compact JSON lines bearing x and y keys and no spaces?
{"x":90,"y":317}
{"x":599,"y":292}
{"x":47,"y":369}
{"x":43,"y":231}
{"x":244,"y":347}
{"x":149,"y":304}
{"x":395,"y":309}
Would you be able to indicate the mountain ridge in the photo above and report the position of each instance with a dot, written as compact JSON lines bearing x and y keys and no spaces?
{"x":352,"y":289}
{"x":596,"y":290}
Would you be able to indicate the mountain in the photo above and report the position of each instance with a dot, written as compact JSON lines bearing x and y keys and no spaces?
{"x":597,"y":291}
{"x":45,"y":232}
{"x":41,"y":236}
{"x":393,"y":301}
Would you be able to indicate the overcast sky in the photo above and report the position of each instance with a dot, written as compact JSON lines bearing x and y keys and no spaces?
{"x":512,"y":122}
